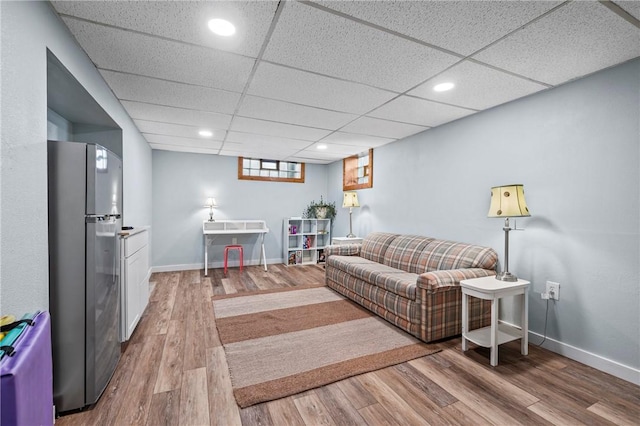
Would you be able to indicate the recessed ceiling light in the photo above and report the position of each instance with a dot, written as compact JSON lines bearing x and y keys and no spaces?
{"x":222,"y":27}
{"x":321,"y":146}
{"x":443,"y":87}
{"x":205,"y":133}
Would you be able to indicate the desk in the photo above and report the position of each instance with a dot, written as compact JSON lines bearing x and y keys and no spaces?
{"x":232,"y":227}
{"x":489,"y":288}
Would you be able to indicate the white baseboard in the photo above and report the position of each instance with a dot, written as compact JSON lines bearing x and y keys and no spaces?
{"x":173,"y":268}
{"x":216,"y":264}
{"x":598,"y":362}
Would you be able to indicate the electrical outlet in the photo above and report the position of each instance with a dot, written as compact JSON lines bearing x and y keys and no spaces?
{"x":553,"y":290}
{"x":234,"y":240}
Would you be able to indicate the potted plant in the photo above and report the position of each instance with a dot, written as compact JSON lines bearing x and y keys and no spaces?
{"x":320,"y":210}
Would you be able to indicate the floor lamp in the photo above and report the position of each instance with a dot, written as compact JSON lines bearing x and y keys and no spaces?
{"x":350,"y":200}
{"x":507,"y":201}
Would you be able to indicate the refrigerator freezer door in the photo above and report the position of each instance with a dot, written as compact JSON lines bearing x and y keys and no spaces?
{"x":104,"y":182}
{"x":103,"y":305}
{"x":67,"y":187}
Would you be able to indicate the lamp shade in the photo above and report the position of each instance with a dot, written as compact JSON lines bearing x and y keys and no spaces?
{"x":508,"y":201}
{"x":350,"y":199}
{"x":211,"y":202}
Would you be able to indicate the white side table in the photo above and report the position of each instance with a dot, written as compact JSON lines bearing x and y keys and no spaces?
{"x":336,"y":241}
{"x":489,"y":288}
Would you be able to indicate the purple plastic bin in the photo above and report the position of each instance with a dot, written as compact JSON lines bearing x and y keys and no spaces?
{"x":27,"y":377}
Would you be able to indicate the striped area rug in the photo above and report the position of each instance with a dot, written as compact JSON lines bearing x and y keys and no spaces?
{"x":279,"y":343}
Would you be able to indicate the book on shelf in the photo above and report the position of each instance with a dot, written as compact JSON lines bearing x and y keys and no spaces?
{"x":299,"y":256}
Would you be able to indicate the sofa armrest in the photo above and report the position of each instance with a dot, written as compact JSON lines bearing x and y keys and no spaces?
{"x":343,"y":250}
{"x":435,"y":281}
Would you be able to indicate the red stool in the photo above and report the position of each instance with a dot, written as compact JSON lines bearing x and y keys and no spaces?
{"x":226,"y":255}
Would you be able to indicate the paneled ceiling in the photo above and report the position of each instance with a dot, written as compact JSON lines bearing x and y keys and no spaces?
{"x":349,"y":75}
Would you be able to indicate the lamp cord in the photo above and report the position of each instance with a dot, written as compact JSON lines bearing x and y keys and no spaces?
{"x":546,"y":315}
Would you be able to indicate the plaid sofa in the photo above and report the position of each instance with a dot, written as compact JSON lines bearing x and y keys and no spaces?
{"x":412,"y":281}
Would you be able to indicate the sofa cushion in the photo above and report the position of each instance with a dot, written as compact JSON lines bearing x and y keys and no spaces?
{"x":364,"y":269}
{"x":388,"y":301}
{"x":391,"y":279}
{"x":443,"y":255}
{"x":403,"y":252}
{"x":400,"y":283}
{"x":345,"y":262}
{"x":375,"y":245}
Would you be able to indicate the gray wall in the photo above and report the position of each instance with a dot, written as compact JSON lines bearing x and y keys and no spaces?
{"x":181,"y":184}
{"x":27,"y":30}
{"x":575,"y":149}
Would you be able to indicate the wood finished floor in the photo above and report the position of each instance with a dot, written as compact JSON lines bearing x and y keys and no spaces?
{"x":173,"y":372}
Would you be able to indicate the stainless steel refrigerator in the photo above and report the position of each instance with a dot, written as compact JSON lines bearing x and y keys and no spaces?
{"x":85,"y":207}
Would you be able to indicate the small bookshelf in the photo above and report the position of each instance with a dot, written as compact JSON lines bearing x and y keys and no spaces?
{"x":304,"y":240}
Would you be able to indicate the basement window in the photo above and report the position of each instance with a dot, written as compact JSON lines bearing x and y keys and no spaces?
{"x":270,"y":170}
{"x":357,"y":171}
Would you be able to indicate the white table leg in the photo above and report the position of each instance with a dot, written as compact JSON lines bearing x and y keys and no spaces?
{"x":494,"y":331}
{"x":524,"y":342}
{"x":465,"y":320}
{"x":206,"y":256}
{"x":264,"y":254}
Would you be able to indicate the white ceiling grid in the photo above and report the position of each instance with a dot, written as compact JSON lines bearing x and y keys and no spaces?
{"x":351,"y":75}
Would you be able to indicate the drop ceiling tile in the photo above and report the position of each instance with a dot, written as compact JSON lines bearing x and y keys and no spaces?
{"x":240,"y":151}
{"x":249,"y":139}
{"x":271,"y":128}
{"x":333,"y":152}
{"x":135,"y":53}
{"x":631,"y":7}
{"x":256,"y":152}
{"x":419,"y":111}
{"x":161,"y":92}
{"x":577,"y":39}
{"x":314,"y":40}
{"x":351,"y":139}
{"x":459,"y":26}
{"x":342,"y":150}
{"x":286,"y":84}
{"x":310,"y":160}
{"x":188,"y":117}
{"x":158,"y":128}
{"x":285,"y":112}
{"x":183,"y":20}
{"x":182,"y":142}
{"x":477,"y":86}
{"x":190,"y":149}
{"x":384,"y":128}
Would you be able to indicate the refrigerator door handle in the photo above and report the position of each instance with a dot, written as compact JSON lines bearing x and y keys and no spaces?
{"x":96,"y":218}
{"x":116,"y":246}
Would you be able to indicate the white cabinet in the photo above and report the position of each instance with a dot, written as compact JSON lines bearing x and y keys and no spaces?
{"x":135,"y":279}
{"x":305,"y":240}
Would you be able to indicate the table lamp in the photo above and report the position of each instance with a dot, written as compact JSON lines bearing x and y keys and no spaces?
{"x":507,"y":201}
{"x":350,"y":200}
{"x":211,"y":203}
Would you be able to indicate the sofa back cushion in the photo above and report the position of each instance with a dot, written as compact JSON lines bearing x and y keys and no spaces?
{"x":404,"y":250}
{"x":375,"y":245}
{"x":443,"y":255}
